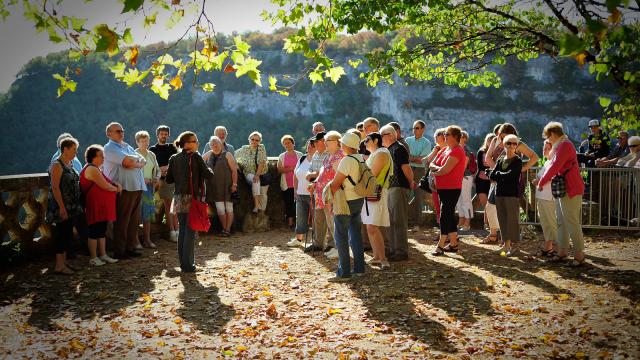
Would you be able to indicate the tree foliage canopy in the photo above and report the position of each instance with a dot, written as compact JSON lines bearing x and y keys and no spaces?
{"x":458,"y":42}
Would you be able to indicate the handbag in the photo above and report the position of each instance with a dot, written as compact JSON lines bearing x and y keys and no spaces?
{"x":378,"y":192}
{"x":559,"y":185}
{"x":265,"y":179}
{"x":198,"y":214}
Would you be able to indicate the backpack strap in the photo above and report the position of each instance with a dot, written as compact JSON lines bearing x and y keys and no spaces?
{"x":349,"y":176}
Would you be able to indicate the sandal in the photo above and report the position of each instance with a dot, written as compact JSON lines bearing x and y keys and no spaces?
{"x":65,"y":271}
{"x":438,"y":251}
{"x":558,"y":259}
{"x":490,"y":239}
{"x":451,"y":249}
{"x":546,"y":253}
{"x":576,"y":263}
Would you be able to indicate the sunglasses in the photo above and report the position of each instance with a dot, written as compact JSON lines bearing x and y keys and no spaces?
{"x":119,"y":131}
{"x":255,"y":140}
{"x":633,"y":145}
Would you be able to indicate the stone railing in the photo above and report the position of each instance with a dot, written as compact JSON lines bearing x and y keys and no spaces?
{"x":24,"y":204}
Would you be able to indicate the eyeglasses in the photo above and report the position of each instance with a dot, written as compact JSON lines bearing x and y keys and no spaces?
{"x":332,"y":140}
{"x":511,"y":143}
{"x":366,"y":141}
{"x":255,"y":140}
{"x":119,"y":131}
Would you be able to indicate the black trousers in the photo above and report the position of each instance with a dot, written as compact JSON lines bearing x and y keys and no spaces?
{"x":289,"y":203}
{"x":448,"y":201}
{"x":62,"y":235}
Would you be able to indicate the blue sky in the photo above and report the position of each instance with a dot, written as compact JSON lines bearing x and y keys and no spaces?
{"x":21,"y":43}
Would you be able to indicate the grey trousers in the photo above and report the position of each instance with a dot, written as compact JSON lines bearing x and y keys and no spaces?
{"x":321,"y":221}
{"x":509,"y":217}
{"x":397,"y":243}
{"x":415,"y":208}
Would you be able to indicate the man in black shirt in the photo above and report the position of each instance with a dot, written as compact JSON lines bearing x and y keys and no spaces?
{"x":620,"y":150}
{"x":599,"y":144}
{"x":400,"y":183}
{"x":163,"y":151}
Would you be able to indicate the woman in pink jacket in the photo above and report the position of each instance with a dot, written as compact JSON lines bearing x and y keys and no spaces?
{"x":564,"y":162}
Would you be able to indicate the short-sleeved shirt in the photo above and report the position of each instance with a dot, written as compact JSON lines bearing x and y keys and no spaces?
{"x":130,"y":179}
{"x":618,"y":152}
{"x":349,"y":167}
{"x":163,"y":153}
{"x":246,"y":158}
{"x":327,"y":173}
{"x":317,"y":160}
{"x":400,"y":156}
{"x":453,"y":179}
{"x":301,"y":171}
{"x":418,"y":147}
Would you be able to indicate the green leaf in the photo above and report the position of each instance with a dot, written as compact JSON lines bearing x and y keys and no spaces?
{"x":596,"y":26}
{"x":65,"y":84}
{"x":150,"y":20}
{"x":159,"y":87}
{"x":208,"y":87}
{"x":78,"y":24}
{"x":175,"y":18}
{"x":315,"y":76}
{"x":354,"y":63}
{"x":74,"y":55}
{"x":166,"y":59}
{"x":604,"y":102}
{"x":53,"y":36}
{"x":127,"y":36}
{"x":118,"y":70}
{"x":241,"y":46}
{"x":612,"y":4}
{"x":255,"y":76}
{"x":132,"y":5}
{"x":272,"y":83}
{"x":571,"y":44}
{"x":335,"y":73}
{"x":249,"y":64}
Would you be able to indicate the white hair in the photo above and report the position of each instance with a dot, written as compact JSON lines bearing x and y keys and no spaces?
{"x":215,"y":131}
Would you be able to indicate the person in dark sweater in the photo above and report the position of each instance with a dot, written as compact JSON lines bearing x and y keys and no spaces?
{"x":506,"y":174}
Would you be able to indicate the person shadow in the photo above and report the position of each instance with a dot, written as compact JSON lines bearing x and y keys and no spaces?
{"x":201,"y":305}
{"x":88,"y":294}
{"x":419,"y":297}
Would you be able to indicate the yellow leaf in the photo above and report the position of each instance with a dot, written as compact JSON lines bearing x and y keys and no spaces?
{"x":284,"y":266}
{"x":77,"y":345}
{"x":161,"y":343}
{"x":133,"y":56}
{"x":564,"y":297}
{"x":241,"y":348}
{"x":580,"y":58}
{"x":504,"y":282}
{"x":176,"y":82}
{"x":615,"y":16}
{"x":271,"y":311}
{"x":267,"y":294}
{"x":177,"y":321}
{"x":503,"y":254}
{"x":580,"y":355}
{"x":332,"y":311}
{"x":516,"y":347}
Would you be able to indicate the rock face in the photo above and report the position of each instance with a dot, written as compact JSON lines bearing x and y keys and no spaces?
{"x":530,"y":103}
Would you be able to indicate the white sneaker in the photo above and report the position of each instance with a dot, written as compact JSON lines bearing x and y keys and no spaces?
{"x":332,"y":254}
{"x":139,"y":247}
{"x":96,"y":262}
{"x":108,"y":259}
{"x":173,"y":236}
{"x":294,"y":242}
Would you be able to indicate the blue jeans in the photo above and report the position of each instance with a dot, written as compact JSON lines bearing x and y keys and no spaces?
{"x":347,"y":232}
{"x":186,"y":243}
{"x":303,"y":203}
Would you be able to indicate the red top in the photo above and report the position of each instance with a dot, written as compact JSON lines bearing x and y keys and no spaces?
{"x":453,"y":179}
{"x":565,"y":158}
{"x":100,"y":204}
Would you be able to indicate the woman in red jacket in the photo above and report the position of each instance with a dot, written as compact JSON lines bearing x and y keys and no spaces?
{"x":565,"y":163}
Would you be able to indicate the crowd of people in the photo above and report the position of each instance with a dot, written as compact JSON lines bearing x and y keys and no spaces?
{"x":356,"y":190}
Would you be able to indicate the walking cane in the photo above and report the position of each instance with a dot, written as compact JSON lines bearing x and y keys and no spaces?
{"x":313,"y":228}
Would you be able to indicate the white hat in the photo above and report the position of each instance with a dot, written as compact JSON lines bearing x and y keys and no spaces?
{"x":351,"y":140}
{"x":634,"y":140}
{"x":594,"y":122}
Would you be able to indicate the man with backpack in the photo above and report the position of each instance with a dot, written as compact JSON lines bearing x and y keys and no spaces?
{"x":397,"y":245}
{"x":353,"y":178}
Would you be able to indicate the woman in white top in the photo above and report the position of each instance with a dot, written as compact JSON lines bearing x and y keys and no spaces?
{"x":375,"y":213}
{"x":547,"y":205}
{"x":302,"y":195}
